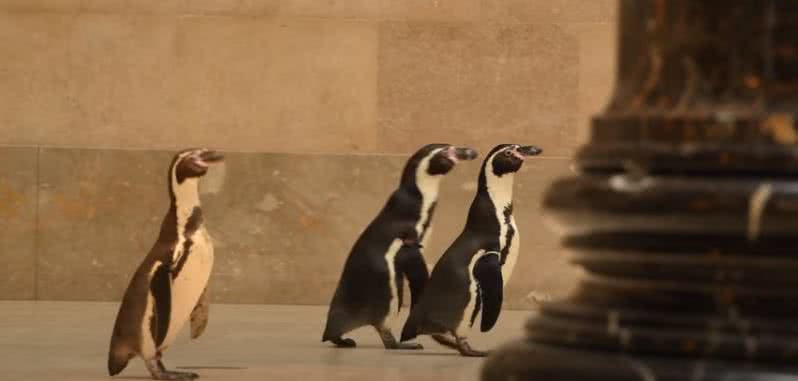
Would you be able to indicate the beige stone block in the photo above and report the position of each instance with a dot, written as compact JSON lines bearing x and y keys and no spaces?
{"x":40,"y":5}
{"x":94,"y":6}
{"x":590,"y":11}
{"x":17,"y":223}
{"x":31,"y":86}
{"x":406,"y":10}
{"x":438,"y":10}
{"x":87,"y":80}
{"x":99,"y":214}
{"x":523,"y":11}
{"x":432,"y":10}
{"x":277,"y":85}
{"x":549,"y":11}
{"x":478,"y":85}
{"x":597,"y":56}
{"x":282,"y":224}
{"x":353,"y":9}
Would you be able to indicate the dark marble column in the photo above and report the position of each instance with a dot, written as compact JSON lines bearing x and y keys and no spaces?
{"x":685,"y":212}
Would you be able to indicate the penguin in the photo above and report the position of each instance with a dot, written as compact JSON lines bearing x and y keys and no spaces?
{"x":169,"y":287}
{"x":389,"y":250}
{"x":470,"y":276}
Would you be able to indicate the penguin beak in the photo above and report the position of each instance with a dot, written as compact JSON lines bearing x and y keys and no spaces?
{"x":527,"y":151}
{"x":209,"y":157}
{"x":212,"y":156}
{"x":462,"y":153}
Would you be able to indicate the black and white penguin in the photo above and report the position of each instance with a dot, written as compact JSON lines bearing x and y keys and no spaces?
{"x":390,"y":250}
{"x":169,"y":286}
{"x":470,"y":276}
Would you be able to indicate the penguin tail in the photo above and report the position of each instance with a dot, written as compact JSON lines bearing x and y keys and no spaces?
{"x":329,"y":332}
{"x":410,"y":330}
{"x":338,"y":323}
{"x":332,"y":332}
{"x":326,"y":337}
{"x":117,"y":362}
{"x":118,"y":357}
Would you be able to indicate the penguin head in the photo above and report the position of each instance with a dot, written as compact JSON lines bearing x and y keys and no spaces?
{"x":193,"y":163}
{"x":508,"y":158}
{"x":433,"y":160}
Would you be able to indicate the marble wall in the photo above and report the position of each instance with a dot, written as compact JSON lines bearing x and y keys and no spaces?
{"x":318,"y":104}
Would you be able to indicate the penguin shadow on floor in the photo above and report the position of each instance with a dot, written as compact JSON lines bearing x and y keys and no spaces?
{"x":229,"y":371}
{"x":434,"y":349}
{"x":218,"y":371}
{"x":365,"y":341}
{"x":429,"y":353}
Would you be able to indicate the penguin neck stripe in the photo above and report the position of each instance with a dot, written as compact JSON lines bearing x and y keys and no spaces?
{"x":427,"y":184}
{"x":500,"y":188}
{"x":185,"y":198}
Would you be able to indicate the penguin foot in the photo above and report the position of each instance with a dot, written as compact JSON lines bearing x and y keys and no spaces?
{"x":344,"y":343}
{"x":474,"y":353}
{"x":408,"y":346}
{"x":465,"y":349}
{"x":446,"y":341}
{"x":180,"y":376}
{"x":389,"y":341}
{"x":158,"y":372}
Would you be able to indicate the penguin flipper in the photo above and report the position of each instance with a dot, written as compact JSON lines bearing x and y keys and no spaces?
{"x":488,"y":273}
{"x":414,"y":268}
{"x":199,"y":315}
{"x":161,"y":290}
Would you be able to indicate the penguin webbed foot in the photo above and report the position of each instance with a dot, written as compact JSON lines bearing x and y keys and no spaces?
{"x":158,"y":372}
{"x":465,"y":349}
{"x":389,"y":341}
{"x":341,"y":342}
{"x":446,"y":341}
{"x":170,"y":375}
{"x":408,"y":346}
{"x":474,"y":353}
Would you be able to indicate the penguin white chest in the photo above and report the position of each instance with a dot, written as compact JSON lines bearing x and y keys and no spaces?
{"x":390,"y":260}
{"x":465,"y":321}
{"x":509,"y":240}
{"x":190,"y":282}
{"x":512,"y":251}
{"x":500,"y":190}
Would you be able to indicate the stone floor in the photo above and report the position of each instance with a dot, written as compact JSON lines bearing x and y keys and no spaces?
{"x":69,"y":341}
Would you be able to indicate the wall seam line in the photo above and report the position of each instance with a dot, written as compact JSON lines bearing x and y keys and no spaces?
{"x":37,"y":227}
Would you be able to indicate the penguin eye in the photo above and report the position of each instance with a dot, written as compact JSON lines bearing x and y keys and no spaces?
{"x":507,"y":153}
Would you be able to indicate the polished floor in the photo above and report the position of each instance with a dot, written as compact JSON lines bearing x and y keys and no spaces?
{"x":69,"y":341}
